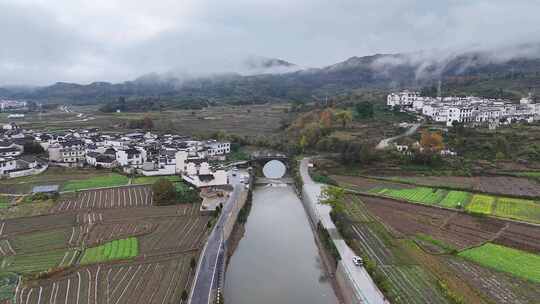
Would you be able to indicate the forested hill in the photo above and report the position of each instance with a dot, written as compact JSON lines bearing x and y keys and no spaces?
{"x":473,"y":72}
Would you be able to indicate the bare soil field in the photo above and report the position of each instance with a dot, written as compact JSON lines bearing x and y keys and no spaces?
{"x":497,"y":286}
{"x":159,"y":280}
{"x":501,"y":185}
{"x":120,"y":197}
{"x":367,"y":184}
{"x":170,"y":239}
{"x":457,"y":229}
{"x":410,"y":269}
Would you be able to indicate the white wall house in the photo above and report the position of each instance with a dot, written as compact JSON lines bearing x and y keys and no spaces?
{"x":130,"y":157}
{"x":215,"y":148}
{"x":7,"y":164}
{"x":71,"y":153}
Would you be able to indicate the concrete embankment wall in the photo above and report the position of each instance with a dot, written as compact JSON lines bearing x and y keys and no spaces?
{"x":228,"y":227}
{"x":344,"y":281}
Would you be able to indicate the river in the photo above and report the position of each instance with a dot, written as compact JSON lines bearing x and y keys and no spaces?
{"x":277,"y":260}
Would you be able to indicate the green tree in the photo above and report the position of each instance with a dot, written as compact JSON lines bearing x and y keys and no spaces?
{"x":333,"y":196}
{"x":163,"y":192}
{"x":344,"y":117}
{"x":364,"y":110}
{"x":32,"y":147}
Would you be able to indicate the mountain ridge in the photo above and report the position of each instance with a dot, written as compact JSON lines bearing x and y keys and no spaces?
{"x":374,"y":71}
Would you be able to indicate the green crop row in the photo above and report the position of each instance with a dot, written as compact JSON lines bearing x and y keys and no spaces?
{"x":40,"y":241}
{"x":519,"y":209}
{"x":517,"y":262}
{"x":114,"y":250}
{"x":37,"y":262}
{"x":423,"y":195}
{"x":481,"y":204}
{"x":456,"y":199}
{"x":513,"y":208}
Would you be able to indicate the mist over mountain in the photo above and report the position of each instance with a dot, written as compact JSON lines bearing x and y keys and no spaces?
{"x":516,"y":68}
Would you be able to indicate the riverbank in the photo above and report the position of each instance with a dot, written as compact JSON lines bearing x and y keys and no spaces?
{"x":354,"y":282}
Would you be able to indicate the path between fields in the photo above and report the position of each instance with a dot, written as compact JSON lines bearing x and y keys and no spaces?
{"x":364,"y":287}
{"x":383,"y":144}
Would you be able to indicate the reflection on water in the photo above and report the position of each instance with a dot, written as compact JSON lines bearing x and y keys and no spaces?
{"x":277,"y":260}
{"x":274,"y":169}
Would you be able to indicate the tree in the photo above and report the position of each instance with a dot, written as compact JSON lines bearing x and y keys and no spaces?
{"x":147,"y":123}
{"x":431,"y":142}
{"x":164,"y":192}
{"x":364,"y":110}
{"x":32,"y":147}
{"x":344,"y":117}
{"x":333,"y":196}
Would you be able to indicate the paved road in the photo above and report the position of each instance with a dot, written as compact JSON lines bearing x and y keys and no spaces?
{"x":383,"y":144}
{"x":206,"y":270}
{"x":365,"y":288}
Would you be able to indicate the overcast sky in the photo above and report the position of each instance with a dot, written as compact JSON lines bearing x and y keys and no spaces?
{"x":42,"y":42}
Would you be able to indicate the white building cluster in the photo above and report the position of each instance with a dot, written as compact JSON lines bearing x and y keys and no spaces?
{"x":470,"y":110}
{"x":8,"y":104}
{"x":142,"y":153}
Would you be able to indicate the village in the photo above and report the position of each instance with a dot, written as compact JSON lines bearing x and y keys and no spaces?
{"x":145,"y":154}
{"x":470,"y":110}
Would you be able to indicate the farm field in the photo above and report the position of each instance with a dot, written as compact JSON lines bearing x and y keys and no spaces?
{"x":141,"y":180}
{"x":405,"y":227}
{"x":249,"y":120}
{"x":504,"y":207}
{"x":519,"y":263}
{"x":52,"y":176}
{"x":497,"y":185}
{"x":422,"y":195}
{"x":519,"y":209}
{"x":119,"y":197}
{"x":457,"y":229}
{"x":481,"y":204}
{"x":124,"y":251}
{"x":114,"y":250}
{"x":38,"y":262}
{"x":455,"y":199}
{"x":406,"y":281}
{"x":109,"y":180}
{"x":4,"y":203}
{"x":367,"y":184}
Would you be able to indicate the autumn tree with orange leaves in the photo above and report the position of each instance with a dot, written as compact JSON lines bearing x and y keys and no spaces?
{"x":431,"y":142}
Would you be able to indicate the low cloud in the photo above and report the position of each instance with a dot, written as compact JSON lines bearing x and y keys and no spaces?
{"x":101,"y":40}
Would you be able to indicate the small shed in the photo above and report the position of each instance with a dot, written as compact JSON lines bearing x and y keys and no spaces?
{"x":48,"y":189}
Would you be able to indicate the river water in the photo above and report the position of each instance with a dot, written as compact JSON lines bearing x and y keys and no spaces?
{"x":277,"y":260}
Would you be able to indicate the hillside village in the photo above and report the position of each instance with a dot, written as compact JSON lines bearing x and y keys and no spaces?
{"x":471,"y":111}
{"x":140,"y":153}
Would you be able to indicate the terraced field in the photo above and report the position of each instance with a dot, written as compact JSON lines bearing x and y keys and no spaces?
{"x":482,"y":204}
{"x":504,"y":207}
{"x":115,"y":250}
{"x":414,"y":274}
{"x":407,"y":282}
{"x":519,"y":209}
{"x":120,"y":197}
{"x":109,"y":180}
{"x":41,"y":241}
{"x":135,"y":252}
{"x":422,"y":195}
{"x":519,"y":263}
{"x":38,"y":262}
{"x":456,"y":199}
